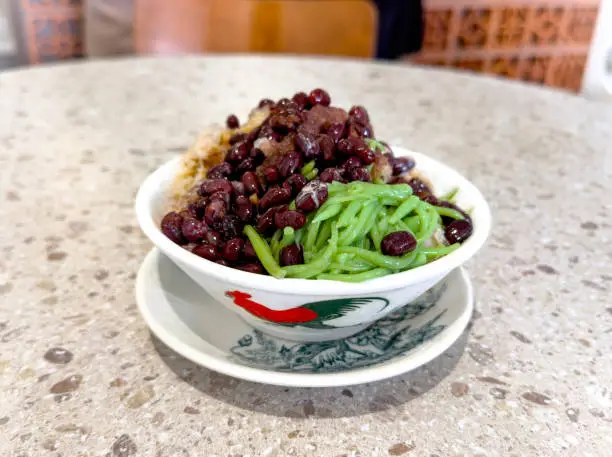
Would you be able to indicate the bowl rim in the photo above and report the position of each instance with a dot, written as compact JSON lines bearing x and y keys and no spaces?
{"x":481,"y":215}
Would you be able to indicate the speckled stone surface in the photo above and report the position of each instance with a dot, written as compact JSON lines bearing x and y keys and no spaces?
{"x":80,"y":374}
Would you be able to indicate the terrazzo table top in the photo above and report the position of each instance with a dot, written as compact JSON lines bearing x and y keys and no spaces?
{"x":532,"y":377}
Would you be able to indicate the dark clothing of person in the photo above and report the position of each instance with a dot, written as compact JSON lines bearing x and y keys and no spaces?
{"x":400,"y":28}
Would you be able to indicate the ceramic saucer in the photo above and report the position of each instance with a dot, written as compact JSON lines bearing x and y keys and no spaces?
{"x":190,"y":322}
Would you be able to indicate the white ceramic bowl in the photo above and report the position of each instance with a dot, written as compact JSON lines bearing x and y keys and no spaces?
{"x":321,"y":310}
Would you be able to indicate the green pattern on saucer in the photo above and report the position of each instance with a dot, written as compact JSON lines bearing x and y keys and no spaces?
{"x":390,"y":337}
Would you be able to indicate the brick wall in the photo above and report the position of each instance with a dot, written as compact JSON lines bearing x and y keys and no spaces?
{"x":538,"y":41}
{"x":48,"y":30}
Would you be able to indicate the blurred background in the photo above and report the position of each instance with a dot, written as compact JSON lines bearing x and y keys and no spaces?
{"x":563,"y":44}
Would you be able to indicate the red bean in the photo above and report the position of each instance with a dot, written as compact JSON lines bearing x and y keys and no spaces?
{"x":231,"y":226}
{"x":198,"y":207}
{"x":210,"y":186}
{"x":359,"y":174}
{"x":419,"y":188}
{"x":458,"y":231}
{"x":243,"y":208}
{"x":257,"y":155}
{"x":222,"y":170}
{"x":297,"y":182}
{"x":223,"y":197}
{"x":232,"y":122}
{"x":402,"y":165}
{"x":185,"y":214}
{"x":193,"y":230}
{"x":350,"y":163}
{"x":248,"y":251}
{"x":289,"y":218}
{"x":213,"y":238}
{"x":312,"y":196}
{"x":327,"y":147}
{"x":232,"y":249}
{"x":328,"y":175}
{"x":266,"y":102}
{"x":286,"y":104}
{"x":238,"y":188}
{"x":331,"y":174}
{"x":265,"y":223}
{"x":345,"y":147}
{"x":398,"y":243}
{"x":289,"y":163}
{"x":367,"y":131}
{"x":291,"y":255}
{"x":366,"y":155}
{"x":357,"y":143}
{"x":237,"y":153}
{"x":301,"y":100}
{"x":336,"y":131}
{"x":274,"y":196}
{"x":271,"y":174}
{"x":357,"y":130}
{"x":247,"y":164}
{"x":399,"y":180}
{"x":215,"y":213}
{"x":431,"y":199}
{"x":319,"y":97}
{"x":171,"y":226}
{"x":306,"y":142}
{"x":360,"y":114}
{"x":256,"y":268}
{"x":206,"y":251}
{"x":287,"y":187}
{"x":251,"y":183}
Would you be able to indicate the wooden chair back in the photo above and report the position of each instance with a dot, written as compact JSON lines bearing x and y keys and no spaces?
{"x":324,"y":27}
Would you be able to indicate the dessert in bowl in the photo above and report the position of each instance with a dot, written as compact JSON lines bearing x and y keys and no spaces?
{"x":305,"y":224}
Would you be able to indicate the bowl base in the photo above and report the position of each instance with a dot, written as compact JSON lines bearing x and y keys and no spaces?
{"x":304,"y":335}
{"x":197,"y":327}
